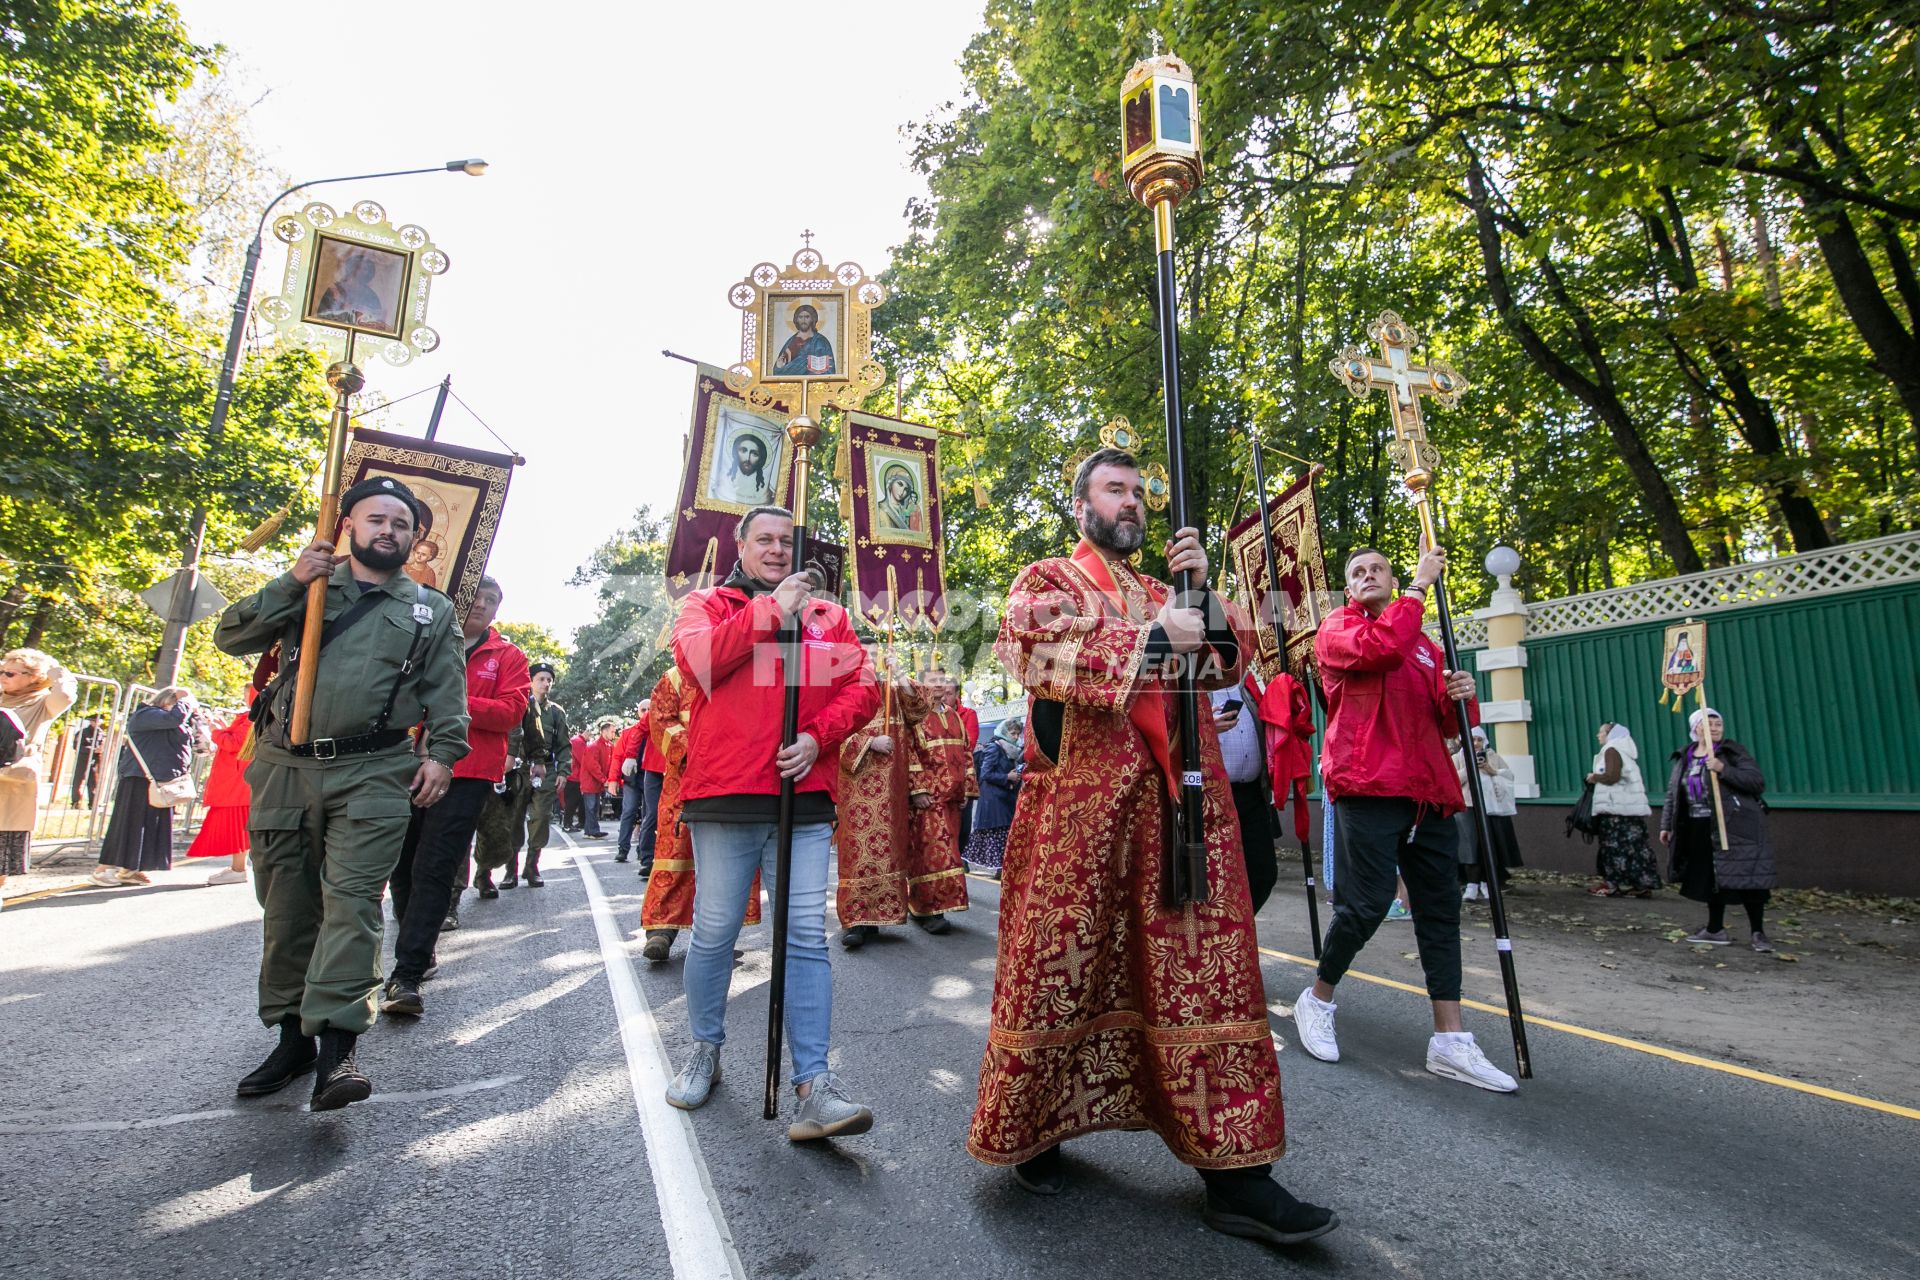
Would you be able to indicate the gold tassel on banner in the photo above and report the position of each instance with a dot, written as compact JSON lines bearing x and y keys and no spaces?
{"x":263,"y":533}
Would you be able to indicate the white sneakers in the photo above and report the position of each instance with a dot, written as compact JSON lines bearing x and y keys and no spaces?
{"x":1454,"y":1056}
{"x":1476,"y":892}
{"x":1451,"y":1055}
{"x":1314,"y":1018}
{"x":227,"y":875}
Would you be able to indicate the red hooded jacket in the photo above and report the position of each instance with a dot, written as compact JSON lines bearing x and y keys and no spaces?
{"x":630,"y":745}
{"x":1388,"y":715}
{"x":727,"y":647}
{"x":497,"y":691}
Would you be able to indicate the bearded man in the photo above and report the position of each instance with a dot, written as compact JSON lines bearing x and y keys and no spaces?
{"x":1113,"y":1009}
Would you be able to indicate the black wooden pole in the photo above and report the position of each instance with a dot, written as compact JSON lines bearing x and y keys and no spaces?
{"x":1189,"y":870}
{"x":1496,"y":903}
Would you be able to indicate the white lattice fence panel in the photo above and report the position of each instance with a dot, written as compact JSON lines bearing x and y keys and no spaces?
{"x":1849,"y":568}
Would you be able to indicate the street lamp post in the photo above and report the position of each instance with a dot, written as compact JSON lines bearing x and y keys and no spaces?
{"x":187,"y":583}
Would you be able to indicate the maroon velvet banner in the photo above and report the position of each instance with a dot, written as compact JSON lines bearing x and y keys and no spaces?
{"x":898,"y":550}
{"x":737,"y":458}
{"x":1305,"y":598}
{"x":464,"y":490}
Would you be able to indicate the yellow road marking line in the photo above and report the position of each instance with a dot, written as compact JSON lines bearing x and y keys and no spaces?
{"x":37,"y":894}
{"x":1620,"y":1042}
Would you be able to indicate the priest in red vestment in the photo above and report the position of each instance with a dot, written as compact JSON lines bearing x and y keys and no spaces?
{"x":1112,"y":1009}
{"x":940,"y":782}
{"x":872,"y":840}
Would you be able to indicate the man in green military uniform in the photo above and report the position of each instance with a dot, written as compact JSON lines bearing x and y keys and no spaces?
{"x":503,"y":819}
{"x":329,"y":815}
{"x":548,"y":770}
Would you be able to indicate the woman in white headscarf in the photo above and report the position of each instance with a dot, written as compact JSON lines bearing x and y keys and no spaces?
{"x":1496,"y":788}
{"x":1625,"y":863}
{"x":1738,"y":872}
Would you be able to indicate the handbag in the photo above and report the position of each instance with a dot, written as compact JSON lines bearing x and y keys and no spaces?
{"x":1581,"y":818}
{"x":174,"y":793}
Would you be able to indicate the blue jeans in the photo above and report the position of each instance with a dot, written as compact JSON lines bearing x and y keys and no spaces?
{"x":633,"y":803}
{"x":725,"y":856}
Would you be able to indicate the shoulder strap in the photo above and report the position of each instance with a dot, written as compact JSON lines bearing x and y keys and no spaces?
{"x":138,"y":758}
{"x":420,"y":617}
{"x":369,"y":601}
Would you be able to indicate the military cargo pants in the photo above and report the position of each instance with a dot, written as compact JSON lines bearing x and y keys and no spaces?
{"x":325,"y":836}
{"x":540,"y":817}
{"x":503,"y":823}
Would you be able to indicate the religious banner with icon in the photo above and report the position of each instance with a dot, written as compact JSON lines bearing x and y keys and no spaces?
{"x":897,"y":544}
{"x":806,"y":334}
{"x":1306,"y":595}
{"x":464,"y":492}
{"x":1683,"y":662}
{"x":738,"y":458}
{"x":352,"y":277}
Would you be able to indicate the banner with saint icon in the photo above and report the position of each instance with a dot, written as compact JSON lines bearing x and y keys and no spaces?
{"x":1306,"y":597}
{"x":1683,"y":663}
{"x":464,"y":492}
{"x":898,"y":550}
{"x":738,"y":457}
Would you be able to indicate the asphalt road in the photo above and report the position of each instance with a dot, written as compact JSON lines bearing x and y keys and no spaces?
{"x":516,"y":1130}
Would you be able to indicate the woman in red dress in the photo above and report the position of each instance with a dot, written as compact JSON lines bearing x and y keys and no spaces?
{"x":223,"y":832}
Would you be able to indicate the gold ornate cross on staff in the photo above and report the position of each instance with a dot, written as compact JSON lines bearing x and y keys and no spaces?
{"x":1405,"y":382}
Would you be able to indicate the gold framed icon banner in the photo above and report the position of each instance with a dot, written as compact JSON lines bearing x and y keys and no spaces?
{"x":355,"y":278}
{"x":1306,"y":593}
{"x":806,"y":334}
{"x":1683,"y":659}
{"x":896,"y":542}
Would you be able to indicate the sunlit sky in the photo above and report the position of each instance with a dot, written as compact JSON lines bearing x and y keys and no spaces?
{"x":643,"y":157}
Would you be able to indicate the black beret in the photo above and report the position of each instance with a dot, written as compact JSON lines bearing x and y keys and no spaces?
{"x":538,"y":667}
{"x":387,"y":487}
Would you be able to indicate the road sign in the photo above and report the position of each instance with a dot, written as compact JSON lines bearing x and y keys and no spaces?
{"x":207,"y":601}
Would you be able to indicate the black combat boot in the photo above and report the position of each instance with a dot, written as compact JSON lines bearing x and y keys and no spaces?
{"x":291,"y":1057}
{"x":337,"y":1081}
{"x":531,"y":872}
{"x":512,"y":877}
{"x":484,"y":883}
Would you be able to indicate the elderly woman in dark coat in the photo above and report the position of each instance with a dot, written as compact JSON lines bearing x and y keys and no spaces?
{"x":999,"y":767}
{"x":1741,"y":873}
{"x":161,"y":736}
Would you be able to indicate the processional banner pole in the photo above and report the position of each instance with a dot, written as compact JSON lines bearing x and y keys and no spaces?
{"x":1405,"y":383}
{"x":804,"y":433}
{"x":1280,"y":637}
{"x":1160,"y":159}
{"x":346,"y":380}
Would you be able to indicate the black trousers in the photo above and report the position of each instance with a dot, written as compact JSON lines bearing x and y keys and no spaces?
{"x":1256,"y":840}
{"x":1374,"y":836}
{"x":572,"y":810}
{"x":432,"y":858}
{"x":651,"y":780}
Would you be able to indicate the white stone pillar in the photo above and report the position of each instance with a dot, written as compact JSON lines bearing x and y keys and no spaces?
{"x":1505,"y":661}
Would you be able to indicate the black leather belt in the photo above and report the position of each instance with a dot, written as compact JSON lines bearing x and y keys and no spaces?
{"x":360,"y":744}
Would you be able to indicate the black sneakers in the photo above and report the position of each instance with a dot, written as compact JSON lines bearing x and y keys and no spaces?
{"x":855,"y":936}
{"x":337,"y":1081}
{"x":453,"y":917}
{"x":401,"y":998}
{"x":293,"y":1056}
{"x":1248,"y":1202}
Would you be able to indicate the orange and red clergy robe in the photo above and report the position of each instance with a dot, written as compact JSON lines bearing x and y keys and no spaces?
{"x":873,"y":839}
{"x":669,"y":900}
{"x":939,"y":767}
{"x":1112,"y":1010}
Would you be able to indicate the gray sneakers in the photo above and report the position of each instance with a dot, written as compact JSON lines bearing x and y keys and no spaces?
{"x":691,"y":1088}
{"x":828,"y":1112}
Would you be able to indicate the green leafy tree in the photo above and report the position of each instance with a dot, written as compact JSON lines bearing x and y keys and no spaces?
{"x":619,"y":656}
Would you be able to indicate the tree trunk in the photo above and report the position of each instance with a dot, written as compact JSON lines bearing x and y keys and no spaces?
{"x":1596,"y":393}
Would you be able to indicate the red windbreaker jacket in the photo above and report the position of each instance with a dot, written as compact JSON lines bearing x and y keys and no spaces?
{"x":594,"y":762}
{"x":1388,"y":716}
{"x":497,"y":691}
{"x":727,"y":647}
{"x":627,"y":747}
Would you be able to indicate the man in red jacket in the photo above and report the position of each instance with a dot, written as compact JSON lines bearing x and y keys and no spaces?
{"x":595,"y":763}
{"x":1390,"y":778}
{"x":728,"y":644}
{"x":435,"y":850}
{"x":627,"y":750}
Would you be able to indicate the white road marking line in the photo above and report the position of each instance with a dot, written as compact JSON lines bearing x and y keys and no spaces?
{"x":699,"y":1242}
{"x":225,"y":1113}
